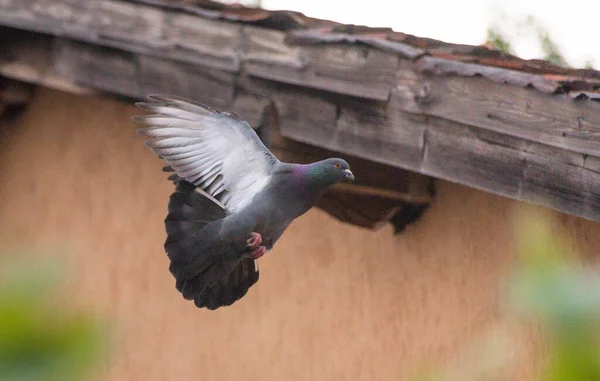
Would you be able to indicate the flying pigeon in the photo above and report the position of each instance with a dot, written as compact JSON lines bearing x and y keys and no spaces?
{"x":233,"y":198}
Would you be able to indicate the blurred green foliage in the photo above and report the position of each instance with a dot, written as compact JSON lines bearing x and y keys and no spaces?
{"x":555,"y":288}
{"x":550,"y":49}
{"x":40,"y":339}
{"x":498,"y":41}
{"x":499,"y":36}
{"x":552,"y":289}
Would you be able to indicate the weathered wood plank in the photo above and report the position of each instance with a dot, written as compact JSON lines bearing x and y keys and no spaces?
{"x":212,"y":43}
{"x":80,"y":67}
{"x":207,"y":85}
{"x":381,"y":134}
{"x":302,"y":111}
{"x":528,"y":146}
{"x":360,"y":64}
{"x":268,"y":47}
{"x":455,"y":153}
{"x":352,"y":127}
{"x":487,"y":160}
{"x":127,"y":22}
{"x":592,"y":163}
{"x":133,"y":27}
{"x":461,"y":156}
{"x":213,"y":87}
{"x":356,"y":70}
{"x":352,"y":70}
{"x":49,"y":16}
{"x":520,"y":112}
{"x":98,"y":67}
{"x":30,"y":58}
{"x":552,"y":185}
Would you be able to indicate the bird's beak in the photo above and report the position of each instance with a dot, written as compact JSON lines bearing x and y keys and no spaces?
{"x":348,"y":175}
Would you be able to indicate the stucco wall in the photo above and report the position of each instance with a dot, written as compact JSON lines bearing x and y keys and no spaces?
{"x":334,"y":302}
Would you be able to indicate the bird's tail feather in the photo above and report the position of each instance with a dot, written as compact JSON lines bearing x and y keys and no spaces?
{"x":189,"y":213}
{"x":201,"y":274}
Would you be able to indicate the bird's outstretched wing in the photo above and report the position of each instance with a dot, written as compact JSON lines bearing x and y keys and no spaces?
{"x":216,"y":151}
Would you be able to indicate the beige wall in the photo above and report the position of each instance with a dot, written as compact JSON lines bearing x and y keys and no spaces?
{"x":334,"y":302}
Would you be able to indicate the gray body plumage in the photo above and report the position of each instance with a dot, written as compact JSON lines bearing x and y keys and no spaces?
{"x":229,"y":185}
{"x":282,"y":200}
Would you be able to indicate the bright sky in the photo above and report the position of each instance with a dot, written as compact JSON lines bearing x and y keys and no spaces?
{"x":572,"y":24}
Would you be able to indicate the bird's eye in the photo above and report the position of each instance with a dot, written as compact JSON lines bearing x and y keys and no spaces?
{"x":338,"y":165}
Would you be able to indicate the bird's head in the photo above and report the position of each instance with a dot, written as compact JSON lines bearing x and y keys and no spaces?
{"x":335,"y":170}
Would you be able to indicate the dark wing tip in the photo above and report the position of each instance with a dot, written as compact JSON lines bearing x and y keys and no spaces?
{"x":150,"y":143}
{"x":146,"y":106}
{"x":175,"y":178}
{"x":142,"y":119}
{"x":142,"y":131}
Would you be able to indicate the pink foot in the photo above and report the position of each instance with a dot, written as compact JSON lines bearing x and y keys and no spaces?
{"x":254,"y":241}
{"x":258,"y":252}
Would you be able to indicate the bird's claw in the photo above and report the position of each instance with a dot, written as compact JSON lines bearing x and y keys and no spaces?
{"x":254,"y":241}
{"x":258,"y":252}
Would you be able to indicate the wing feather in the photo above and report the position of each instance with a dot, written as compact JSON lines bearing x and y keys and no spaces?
{"x":216,"y":151}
